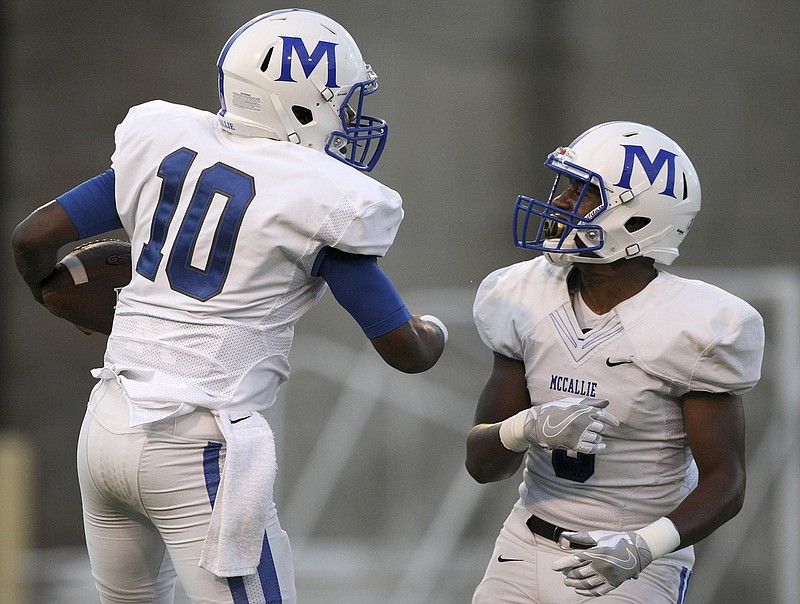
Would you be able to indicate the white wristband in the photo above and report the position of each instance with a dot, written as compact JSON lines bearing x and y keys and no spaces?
{"x":437,"y":322}
{"x":512,"y":432}
{"x":662,"y":537}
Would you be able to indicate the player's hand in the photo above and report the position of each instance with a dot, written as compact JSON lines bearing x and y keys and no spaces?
{"x":612,"y":558}
{"x":570,"y":423}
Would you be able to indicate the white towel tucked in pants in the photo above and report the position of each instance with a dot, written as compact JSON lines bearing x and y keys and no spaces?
{"x":236,"y":533}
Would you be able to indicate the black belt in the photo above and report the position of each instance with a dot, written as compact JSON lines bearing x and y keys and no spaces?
{"x":549,"y":531}
{"x":545,"y":529}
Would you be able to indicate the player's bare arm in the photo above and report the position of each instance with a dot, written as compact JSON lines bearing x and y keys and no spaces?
{"x":36,"y":243}
{"x":715,"y":427}
{"x":412,"y":348}
{"x":504,"y":395}
{"x":409,"y":343}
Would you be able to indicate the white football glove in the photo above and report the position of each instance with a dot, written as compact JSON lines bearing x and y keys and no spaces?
{"x":571,"y":423}
{"x":612,"y":558}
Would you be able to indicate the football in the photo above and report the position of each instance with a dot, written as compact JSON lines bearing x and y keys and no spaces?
{"x":83,"y":286}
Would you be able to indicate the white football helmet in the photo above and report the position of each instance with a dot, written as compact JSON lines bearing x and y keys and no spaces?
{"x":650,"y":196}
{"x":296,"y":75}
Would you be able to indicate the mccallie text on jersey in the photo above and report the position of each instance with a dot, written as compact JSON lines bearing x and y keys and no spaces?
{"x":562,"y":383}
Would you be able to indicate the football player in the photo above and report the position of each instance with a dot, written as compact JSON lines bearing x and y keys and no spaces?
{"x":617,"y":385}
{"x":238,"y":222}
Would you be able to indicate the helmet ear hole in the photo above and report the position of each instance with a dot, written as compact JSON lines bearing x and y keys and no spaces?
{"x":303,"y":114}
{"x":636,"y":223}
{"x":265,"y":62}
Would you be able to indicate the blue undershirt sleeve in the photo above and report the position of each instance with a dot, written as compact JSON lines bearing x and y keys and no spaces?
{"x":363,"y":290}
{"x":92,"y":205}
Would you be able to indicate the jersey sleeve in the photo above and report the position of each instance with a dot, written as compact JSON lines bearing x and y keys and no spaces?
{"x":493,"y":316}
{"x":371,"y":228}
{"x":732,"y":362}
{"x":146,"y":111}
{"x":697,"y":336}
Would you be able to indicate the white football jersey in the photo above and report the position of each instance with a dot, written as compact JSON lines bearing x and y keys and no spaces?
{"x":675,"y":336}
{"x":224,"y":231}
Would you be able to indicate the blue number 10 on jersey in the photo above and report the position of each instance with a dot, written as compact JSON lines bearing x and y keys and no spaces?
{"x":219,"y":179}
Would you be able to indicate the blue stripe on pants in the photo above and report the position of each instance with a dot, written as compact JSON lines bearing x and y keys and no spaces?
{"x":265,"y":572}
{"x":686,"y":574}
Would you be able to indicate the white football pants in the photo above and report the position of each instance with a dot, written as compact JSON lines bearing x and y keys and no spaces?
{"x":146,"y":509}
{"x":520,"y":572}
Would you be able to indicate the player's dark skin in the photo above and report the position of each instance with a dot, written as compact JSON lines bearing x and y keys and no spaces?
{"x":714,"y":423}
{"x":411,"y":348}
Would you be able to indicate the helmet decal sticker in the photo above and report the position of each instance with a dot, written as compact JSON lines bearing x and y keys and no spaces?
{"x":651,"y":168}
{"x":308,"y":62}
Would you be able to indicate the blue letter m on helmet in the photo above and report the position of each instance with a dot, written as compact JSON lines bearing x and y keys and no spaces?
{"x":651,"y":168}
{"x":292,"y":44}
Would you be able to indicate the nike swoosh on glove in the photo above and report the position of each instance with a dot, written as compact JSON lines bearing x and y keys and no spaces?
{"x":571,"y":423}
{"x":612,"y":559}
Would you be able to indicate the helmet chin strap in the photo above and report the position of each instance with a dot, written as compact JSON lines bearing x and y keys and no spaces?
{"x":324,"y":91}
{"x":328,"y":95}
{"x":558,"y":259}
{"x":286,"y":121}
{"x":628,"y":195}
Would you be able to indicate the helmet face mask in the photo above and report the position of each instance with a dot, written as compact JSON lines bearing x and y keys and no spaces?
{"x":296,"y":75}
{"x":560,"y":228}
{"x":361,"y":138}
{"x":646,"y":195}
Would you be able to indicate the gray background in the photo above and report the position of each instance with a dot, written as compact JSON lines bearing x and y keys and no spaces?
{"x":476,"y":94}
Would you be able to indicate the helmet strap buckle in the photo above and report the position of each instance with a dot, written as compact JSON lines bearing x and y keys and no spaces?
{"x":632,"y":250}
{"x":327,"y":93}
